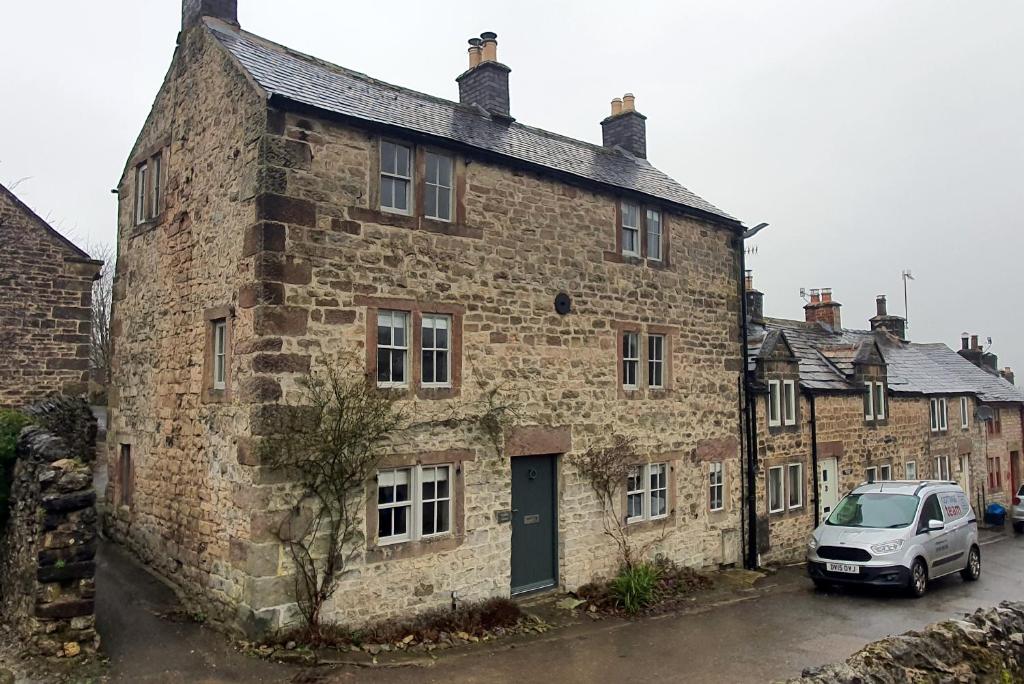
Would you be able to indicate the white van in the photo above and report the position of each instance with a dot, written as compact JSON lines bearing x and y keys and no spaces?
{"x":897,"y":533}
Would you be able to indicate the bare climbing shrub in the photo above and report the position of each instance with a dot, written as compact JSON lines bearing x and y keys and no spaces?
{"x":331,"y":445}
{"x":606,"y":469}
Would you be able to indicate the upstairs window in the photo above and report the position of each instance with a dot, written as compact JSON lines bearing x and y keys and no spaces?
{"x":436,"y":350}
{"x":220,"y":351}
{"x":392,"y":348}
{"x":437,"y":195}
{"x":141,"y":192}
{"x":941,"y":467}
{"x":774,"y":403}
{"x":395,"y":178}
{"x":880,"y":403}
{"x":656,"y":361}
{"x":789,"y":402}
{"x":630,"y":229}
{"x":654,"y":245}
{"x":939,"y":414}
{"x":630,"y":360}
{"x":964,"y":415}
{"x":995,"y":426}
{"x":156,"y":189}
{"x":869,"y":401}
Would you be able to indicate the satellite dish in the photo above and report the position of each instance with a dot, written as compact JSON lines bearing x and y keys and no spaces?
{"x":983,"y":413}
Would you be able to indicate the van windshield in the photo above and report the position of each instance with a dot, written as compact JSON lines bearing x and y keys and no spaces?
{"x":875,"y":510}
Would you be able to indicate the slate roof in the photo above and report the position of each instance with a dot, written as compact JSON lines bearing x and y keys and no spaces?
{"x":284,"y":73}
{"x":825,"y":358}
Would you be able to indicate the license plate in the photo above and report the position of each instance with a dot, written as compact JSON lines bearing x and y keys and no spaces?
{"x":842,"y":567}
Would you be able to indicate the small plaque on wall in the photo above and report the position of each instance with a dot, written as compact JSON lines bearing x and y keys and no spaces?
{"x":503,"y":516}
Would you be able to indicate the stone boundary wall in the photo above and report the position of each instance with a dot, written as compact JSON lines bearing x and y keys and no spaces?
{"x":987,"y":646}
{"x":47,"y":566}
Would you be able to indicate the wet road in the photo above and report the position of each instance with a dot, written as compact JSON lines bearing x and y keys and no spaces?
{"x":772,"y":637}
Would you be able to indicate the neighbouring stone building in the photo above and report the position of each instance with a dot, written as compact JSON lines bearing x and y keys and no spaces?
{"x":278,"y":213}
{"x":839,"y":407}
{"x":45,"y":308}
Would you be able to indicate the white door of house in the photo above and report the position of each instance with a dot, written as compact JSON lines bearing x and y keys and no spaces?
{"x":965,"y":473}
{"x":828,"y":485}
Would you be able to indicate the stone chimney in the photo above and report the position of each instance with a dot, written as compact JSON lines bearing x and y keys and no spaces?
{"x":1007,"y":374}
{"x":822,"y":309}
{"x":625,"y":127}
{"x":755,"y":298}
{"x":193,"y":11}
{"x":973,"y":352}
{"x":485,"y":83}
{"x":895,"y":325}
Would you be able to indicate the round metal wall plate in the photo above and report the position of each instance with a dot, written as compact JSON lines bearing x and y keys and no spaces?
{"x":563,"y":304}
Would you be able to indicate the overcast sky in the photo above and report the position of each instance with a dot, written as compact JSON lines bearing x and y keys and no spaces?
{"x":874,"y":136}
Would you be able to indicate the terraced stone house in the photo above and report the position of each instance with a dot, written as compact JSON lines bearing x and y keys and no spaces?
{"x":45,"y":308}
{"x":839,"y":407}
{"x":278,"y":213}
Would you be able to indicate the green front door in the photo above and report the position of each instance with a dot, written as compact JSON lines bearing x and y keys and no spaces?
{"x":534,"y":523}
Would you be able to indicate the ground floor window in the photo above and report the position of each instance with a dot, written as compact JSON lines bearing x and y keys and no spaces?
{"x":942,"y":467}
{"x":995,"y":473}
{"x":885,"y":472}
{"x":871,"y":474}
{"x":647,"y":492}
{"x":795,"y":484}
{"x":716,"y":486}
{"x":125,"y":476}
{"x":911,"y":470}
{"x":776,"y":490}
{"x":413,"y":503}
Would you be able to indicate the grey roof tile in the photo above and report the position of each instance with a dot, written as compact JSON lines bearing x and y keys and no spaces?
{"x":306,"y":80}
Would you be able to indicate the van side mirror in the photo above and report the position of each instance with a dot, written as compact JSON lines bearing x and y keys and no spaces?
{"x":935,"y":525}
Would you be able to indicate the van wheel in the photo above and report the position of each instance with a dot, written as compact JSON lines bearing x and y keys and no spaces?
{"x":918,"y":584}
{"x":972,"y":572}
{"x":821,"y":585}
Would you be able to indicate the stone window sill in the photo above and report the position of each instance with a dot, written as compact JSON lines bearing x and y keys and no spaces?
{"x":412,"y":549}
{"x":385,"y":218}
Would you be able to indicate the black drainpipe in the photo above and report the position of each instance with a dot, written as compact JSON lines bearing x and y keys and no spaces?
{"x":814,"y":461}
{"x":751,"y":423}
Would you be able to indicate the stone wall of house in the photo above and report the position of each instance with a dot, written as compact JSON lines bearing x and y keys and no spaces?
{"x":47,"y":586}
{"x":178,"y":504}
{"x":986,"y":646}
{"x":1004,"y":444}
{"x":45,"y":300}
{"x":857,"y":445}
{"x":322,"y":258}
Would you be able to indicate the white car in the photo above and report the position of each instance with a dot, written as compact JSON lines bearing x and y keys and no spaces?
{"x":898,"y":533}
{"x":1017,"y":512}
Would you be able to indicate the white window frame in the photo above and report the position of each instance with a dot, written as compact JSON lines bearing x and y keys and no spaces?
{"x":774,"y":402}
{"x":655,"y":363}
{"x":646,"y":490}
{"x":632,"y":229}
{"x":406,"y":318}
{"x":155,"y":198}
{"x":942,"y":467}
{"x":799,"y":490}
{"x":789,"y":402}
{"x":885,"y":472}
{"x":943,"y":415}
{"x":141,"y":192}
{"x":438,"y":188}
{"x":416,"y":501}
{"x":435,"y":350}
{"x":869,"y":410}
{"x":220,"y":353}
{"x":880,"y":401}
{"x":871,"y":475}
{"x":782,"y":489}
{"x":716,"y":486}
{"x":631,"y":359}
{"x":409,"y":179}
{"x":408,"y":503}
{"x":965,"y":419}
{"x":656,"y":214}
{"x":907,"y":467}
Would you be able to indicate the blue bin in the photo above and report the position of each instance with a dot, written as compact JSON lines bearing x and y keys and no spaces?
{"x":995,"y":515}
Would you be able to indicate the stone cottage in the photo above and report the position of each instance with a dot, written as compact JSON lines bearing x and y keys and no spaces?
{"x":278,"y":213}
{"x":45,"y":307}
{"x":839,"y":407}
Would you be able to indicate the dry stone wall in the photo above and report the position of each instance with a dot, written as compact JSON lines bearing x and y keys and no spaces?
{"x":47,"y":566}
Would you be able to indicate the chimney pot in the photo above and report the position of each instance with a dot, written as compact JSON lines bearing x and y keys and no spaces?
{"x":628,"y":103}
{"x":626,"y":127}
{"x":475,"y":52}
{"x":616,"y":106}
{"x":965,"y":343}
{"x":815,"y":296}
{"x":490,"y":46}
{"x":974,"y":343}
{"x":826,"y":294}
{"x":748,"y":279}
{"x":880,"y":305}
